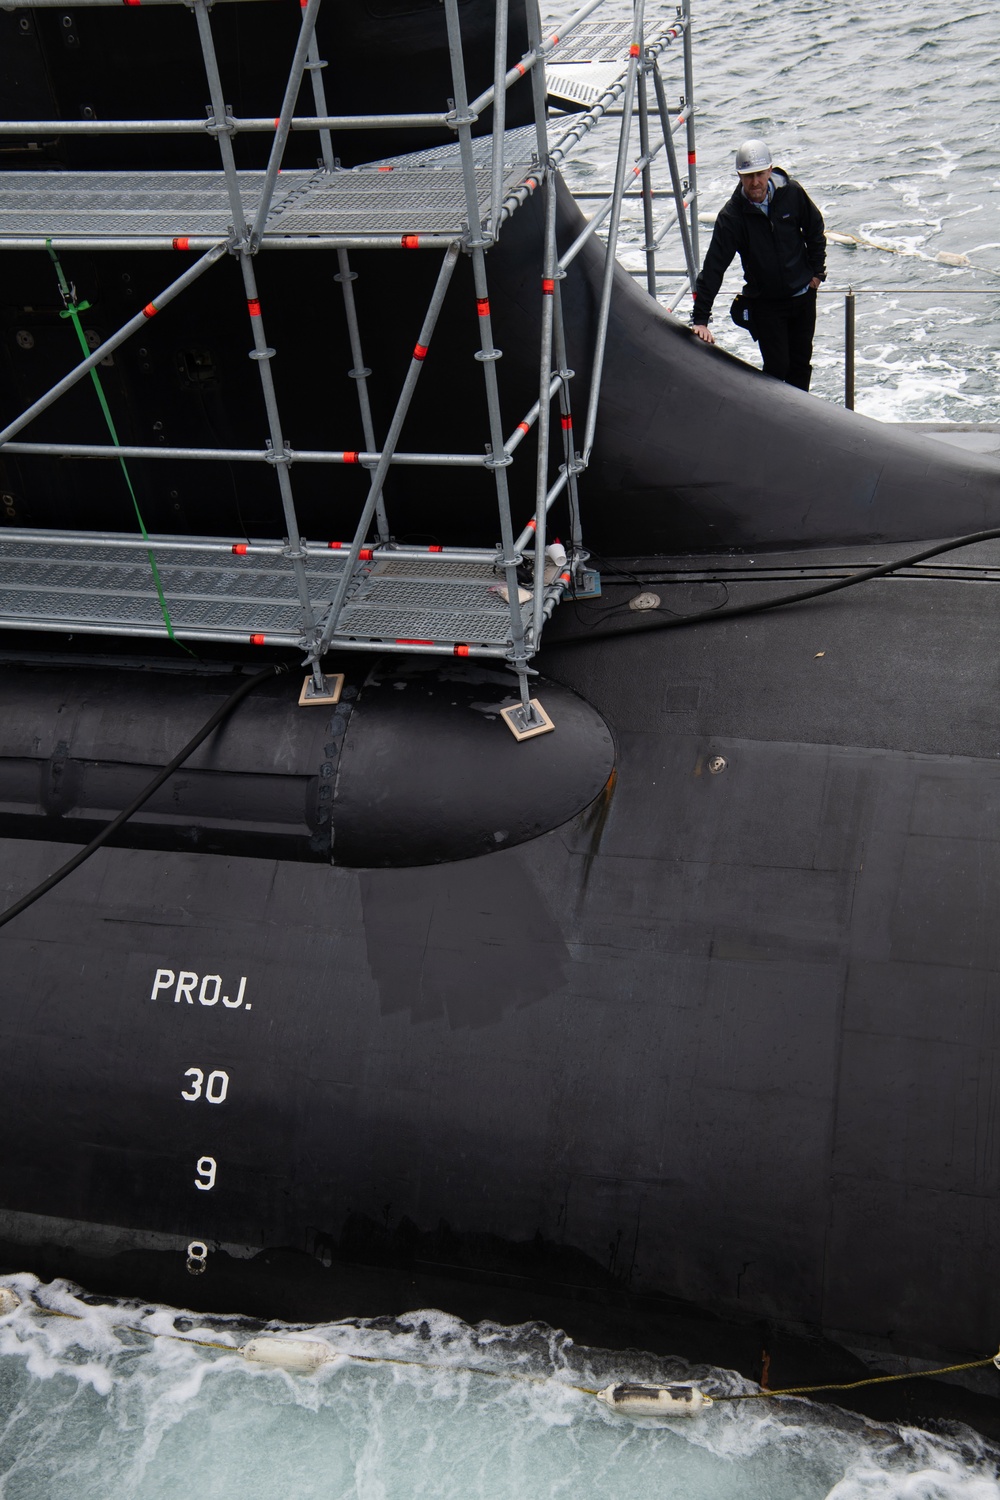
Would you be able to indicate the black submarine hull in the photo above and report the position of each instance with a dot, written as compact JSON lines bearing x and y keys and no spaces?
{"x":693,"y":998}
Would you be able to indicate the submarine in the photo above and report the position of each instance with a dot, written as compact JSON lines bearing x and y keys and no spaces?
{"x":691,"y":997}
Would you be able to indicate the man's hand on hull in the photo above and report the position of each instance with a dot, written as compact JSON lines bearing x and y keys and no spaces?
{"x":703,"y":332}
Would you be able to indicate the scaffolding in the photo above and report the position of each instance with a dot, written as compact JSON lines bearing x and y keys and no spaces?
{"x":368,"y":592}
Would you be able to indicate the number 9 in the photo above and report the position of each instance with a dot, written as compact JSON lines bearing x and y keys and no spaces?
{"x":206,"y":1169}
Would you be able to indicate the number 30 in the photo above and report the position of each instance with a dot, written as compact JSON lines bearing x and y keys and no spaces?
{"x":216,"y":1088}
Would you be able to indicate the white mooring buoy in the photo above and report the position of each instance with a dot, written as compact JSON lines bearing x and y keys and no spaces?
{"x":634,"y":1400}
{"x":303,"y":1356}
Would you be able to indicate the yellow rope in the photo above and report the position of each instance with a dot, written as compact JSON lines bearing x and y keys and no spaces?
{"x":854,"y":1385}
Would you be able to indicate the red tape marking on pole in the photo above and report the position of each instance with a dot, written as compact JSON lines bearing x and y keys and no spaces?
{"x":410,"y":242}
{"x":256,"y":640}
{"x":634,"y":50}
{"x":406,"y":641}
{"x":387,"y":169}
{"x":524,"y":426}
{"x":435,"y":549}
{"x":240,"y":548}
{"x":366,"y":554}
{"x":460,"y":650}
{"x":548,"y":287}
{"x":420,"y":351}
{"x":335,"y":546}
{"x":483,"y":306}
{"x":150,"y":310}
{"x":352,"y":458}
{"x":532,"y":524}
{"x":567,"y":423}
{"x":692,"y":158}
{"x":181,"y":240}
{"x":253,"y":307}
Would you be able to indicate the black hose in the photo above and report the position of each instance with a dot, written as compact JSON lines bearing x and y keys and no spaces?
{"x":221,"y":713}
{"x":676,"y":621}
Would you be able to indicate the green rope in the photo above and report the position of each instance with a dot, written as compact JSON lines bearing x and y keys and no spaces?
{"x":72,"y":311}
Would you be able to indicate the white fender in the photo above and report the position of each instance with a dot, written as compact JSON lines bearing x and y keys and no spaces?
{"x":654,"y":1400}
{"x":304,"y":1356}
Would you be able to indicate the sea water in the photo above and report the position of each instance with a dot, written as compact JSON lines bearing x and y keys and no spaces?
{"x":887,"y":115}
{"x":117,"y":1402}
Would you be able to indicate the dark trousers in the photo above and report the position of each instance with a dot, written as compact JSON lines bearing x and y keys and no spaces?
{"x":783,"y":327}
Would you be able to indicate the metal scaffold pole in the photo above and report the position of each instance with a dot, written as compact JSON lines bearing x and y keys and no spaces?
{"x":358,"y":372}
{"x":545,"y":353}
{"x":244,"y":248}
{"x":417,"y":358}
{"x":649,"y":242}
{"x":604,"y":310}
{"x":690,"y":252}
{"x":692,"y":151}
{"x":488,"y":355}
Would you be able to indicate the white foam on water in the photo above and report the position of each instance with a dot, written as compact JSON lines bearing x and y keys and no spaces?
{"x":97,"y":1408}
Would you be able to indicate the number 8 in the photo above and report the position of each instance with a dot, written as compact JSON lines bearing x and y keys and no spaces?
{"x":206,"y":1168}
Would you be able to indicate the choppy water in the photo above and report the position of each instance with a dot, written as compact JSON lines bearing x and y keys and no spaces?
{"x":888,"y":116}
{"x":103,"y":1406}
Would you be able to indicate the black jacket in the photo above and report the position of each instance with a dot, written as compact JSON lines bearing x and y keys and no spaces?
{"x":781,"y":250}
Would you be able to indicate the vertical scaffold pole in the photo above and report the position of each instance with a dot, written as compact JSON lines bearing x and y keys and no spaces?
{"x":647,"y":177}
{"x":261,"y":352}
{"x":358,"y":372}
{"x":549,"y":269}
{"x":604,"y":307}
{"x":314,"y":67}
{"x":675,"y":178}
{"x":570,"y":456}
{"x":392,"y":438}
{"x":692,"y":151}
{"x":488,"y":355}
{"x":499,"y":115}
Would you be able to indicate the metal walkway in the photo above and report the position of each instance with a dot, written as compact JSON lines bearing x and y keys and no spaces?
{"x":245,"y":592}
{"x":392,"y":200}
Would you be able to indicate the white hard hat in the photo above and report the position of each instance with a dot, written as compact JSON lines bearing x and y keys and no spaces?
{"x":753,"y":156}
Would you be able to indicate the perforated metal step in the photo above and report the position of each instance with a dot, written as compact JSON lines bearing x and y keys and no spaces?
{"x":595,"y":56}
{"x":104,"y":585}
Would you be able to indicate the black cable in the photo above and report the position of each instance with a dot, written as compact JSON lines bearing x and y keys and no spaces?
{"x":182,"y":755}
{"x":754,"y":609}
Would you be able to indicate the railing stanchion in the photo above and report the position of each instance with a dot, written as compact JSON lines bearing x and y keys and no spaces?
{"x":849,"y":349}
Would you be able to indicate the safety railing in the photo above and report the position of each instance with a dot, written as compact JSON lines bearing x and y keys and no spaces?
{"x":851,"y":294}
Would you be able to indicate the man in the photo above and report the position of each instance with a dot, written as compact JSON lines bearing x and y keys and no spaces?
{"x":777,"y":231}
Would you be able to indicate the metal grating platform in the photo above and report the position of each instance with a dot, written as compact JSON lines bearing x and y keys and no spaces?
{"x":389,"y":199}
{"x":595,"y":57}
{"x":105,"y":586}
